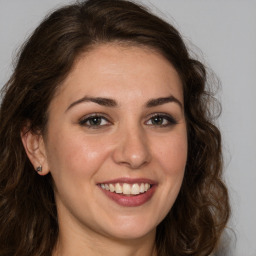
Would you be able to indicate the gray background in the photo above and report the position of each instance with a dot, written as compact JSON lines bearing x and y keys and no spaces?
{"x":223,"y":34}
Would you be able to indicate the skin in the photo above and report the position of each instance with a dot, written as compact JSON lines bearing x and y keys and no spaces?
{"x":126,"y":142}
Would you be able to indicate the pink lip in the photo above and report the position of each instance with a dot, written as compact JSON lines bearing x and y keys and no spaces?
{"x":133,"y":200}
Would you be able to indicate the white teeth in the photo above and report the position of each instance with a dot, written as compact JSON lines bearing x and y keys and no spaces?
{"x":142,"y":187}
{"x":118,"y":188}
{"x":126,"y":189}
{"x":147,"y":186}
{"x":135,"y":189}
{"x":111,"y":188}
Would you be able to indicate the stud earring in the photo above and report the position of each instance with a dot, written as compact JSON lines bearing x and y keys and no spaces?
{"x":39,"y":168}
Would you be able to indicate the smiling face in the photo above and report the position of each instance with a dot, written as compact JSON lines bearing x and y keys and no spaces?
{"x":116,"y":143}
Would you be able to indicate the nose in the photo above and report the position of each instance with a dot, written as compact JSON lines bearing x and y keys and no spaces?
{"x":132,"y":149}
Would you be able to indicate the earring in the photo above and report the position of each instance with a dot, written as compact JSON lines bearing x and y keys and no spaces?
{"x":39,"y":168}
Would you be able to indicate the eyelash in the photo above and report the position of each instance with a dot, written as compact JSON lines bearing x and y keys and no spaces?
{"x":89,"y":118}
{"x":170,"y":121}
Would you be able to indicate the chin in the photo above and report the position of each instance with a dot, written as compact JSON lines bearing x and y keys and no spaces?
{"x":130,"y":229}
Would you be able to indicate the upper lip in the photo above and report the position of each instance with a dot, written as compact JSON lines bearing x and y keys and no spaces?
{"x":129,"y":181}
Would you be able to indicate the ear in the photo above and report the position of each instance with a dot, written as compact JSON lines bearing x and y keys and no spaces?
{"x":35,"y":148}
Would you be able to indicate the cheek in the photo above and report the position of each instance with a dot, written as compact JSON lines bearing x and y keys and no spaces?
{"x":172,"y":155}
{"x":74,"y":155}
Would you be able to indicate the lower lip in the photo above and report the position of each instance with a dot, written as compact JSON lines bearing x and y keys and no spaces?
{"x":132,"y":200}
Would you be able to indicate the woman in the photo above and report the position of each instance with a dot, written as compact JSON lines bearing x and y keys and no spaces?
{"x":107,"y":140}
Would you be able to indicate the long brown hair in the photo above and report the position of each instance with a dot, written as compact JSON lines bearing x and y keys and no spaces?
{"x":29,"y":226}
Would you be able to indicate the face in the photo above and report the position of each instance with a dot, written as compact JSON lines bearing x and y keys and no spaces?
{"x":116,"y":143}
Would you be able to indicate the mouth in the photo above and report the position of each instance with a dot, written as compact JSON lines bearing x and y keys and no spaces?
{"x":129,"y":192}
{"x":126,"y":189}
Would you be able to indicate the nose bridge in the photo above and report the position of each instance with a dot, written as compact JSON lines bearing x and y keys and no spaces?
{"x":132,"y":147}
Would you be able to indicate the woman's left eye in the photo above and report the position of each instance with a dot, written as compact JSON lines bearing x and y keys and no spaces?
{"x":94,"y":121}
{"x":161,"y":120}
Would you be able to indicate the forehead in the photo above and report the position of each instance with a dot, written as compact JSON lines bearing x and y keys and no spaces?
{"x":128,"y":69}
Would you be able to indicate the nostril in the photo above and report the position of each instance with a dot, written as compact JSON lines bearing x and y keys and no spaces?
{"x":132,"y":150}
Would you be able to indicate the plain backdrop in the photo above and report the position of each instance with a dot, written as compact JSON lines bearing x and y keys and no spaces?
{"x":222,"y":33}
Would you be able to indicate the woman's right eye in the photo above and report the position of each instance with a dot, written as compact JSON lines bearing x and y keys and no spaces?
{"x":94,"y":121}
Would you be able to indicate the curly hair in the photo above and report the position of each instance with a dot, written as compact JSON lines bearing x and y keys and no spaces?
{"x":28,"y":216}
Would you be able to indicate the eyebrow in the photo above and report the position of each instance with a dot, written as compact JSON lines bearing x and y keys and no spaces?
{"x":161,"y":101}
{"x":107,"y":102}
{"x":101,"y":101}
